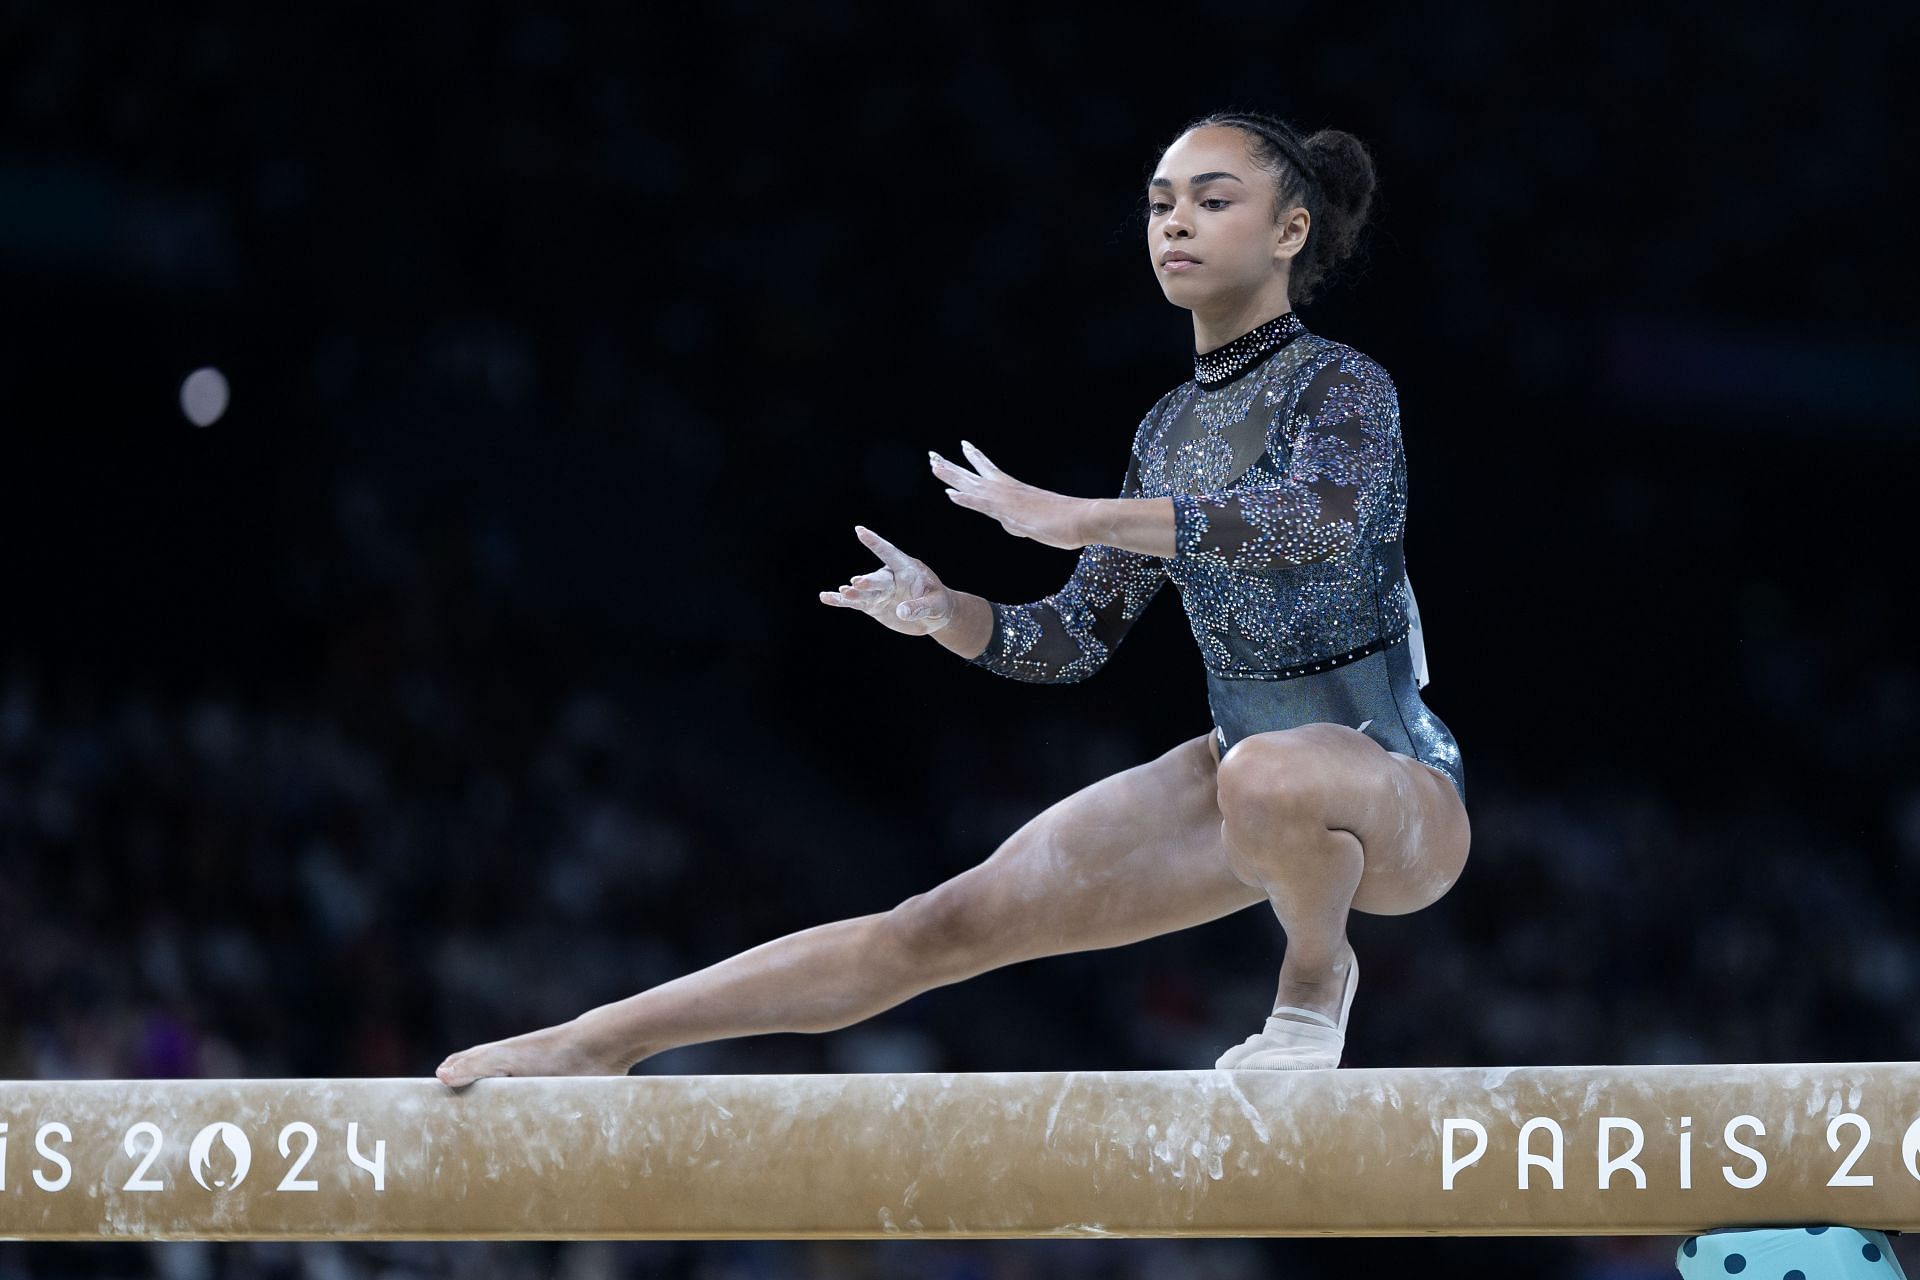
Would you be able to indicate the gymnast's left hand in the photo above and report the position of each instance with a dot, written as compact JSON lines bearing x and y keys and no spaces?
{"x":1022,"y":509}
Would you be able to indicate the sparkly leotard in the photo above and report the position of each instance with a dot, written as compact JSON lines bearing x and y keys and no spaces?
{"x":1289,"y":484}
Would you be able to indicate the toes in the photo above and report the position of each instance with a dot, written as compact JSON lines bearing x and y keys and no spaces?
{"x":458,"y":1071}
{"x":1231,"y":1057}
{"x":1290,"y":1058}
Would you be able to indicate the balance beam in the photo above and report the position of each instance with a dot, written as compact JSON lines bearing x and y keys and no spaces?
{"x":1453,"y":1151}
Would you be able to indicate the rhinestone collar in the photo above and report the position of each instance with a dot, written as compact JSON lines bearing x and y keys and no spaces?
{"x":1222,"y":365}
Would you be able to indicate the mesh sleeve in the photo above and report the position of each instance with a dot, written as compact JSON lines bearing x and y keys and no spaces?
{"x":1070,"y":634}
{"x":1338,"y":476}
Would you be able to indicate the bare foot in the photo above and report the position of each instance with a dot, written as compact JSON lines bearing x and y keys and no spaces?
{"x":552,"y":1051}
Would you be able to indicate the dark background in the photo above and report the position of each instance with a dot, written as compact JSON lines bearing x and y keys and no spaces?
{"x":470,"y":670}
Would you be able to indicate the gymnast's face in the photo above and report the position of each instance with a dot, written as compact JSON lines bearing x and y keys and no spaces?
{"x":1211,"y":231}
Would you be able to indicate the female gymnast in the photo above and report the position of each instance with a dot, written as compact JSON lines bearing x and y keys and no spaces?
{"x":1272,"y":490}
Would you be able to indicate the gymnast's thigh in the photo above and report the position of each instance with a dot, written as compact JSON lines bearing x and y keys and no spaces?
{"x":1129,"y":857}
{"x":1407,"y":816}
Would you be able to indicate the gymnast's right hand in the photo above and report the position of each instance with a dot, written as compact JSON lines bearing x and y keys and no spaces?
{"x":903,"y":595}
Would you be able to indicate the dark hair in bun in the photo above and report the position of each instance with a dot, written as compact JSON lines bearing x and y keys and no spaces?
{"x":1329,"y":172}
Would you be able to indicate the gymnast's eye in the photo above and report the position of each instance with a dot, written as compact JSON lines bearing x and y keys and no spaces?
{"x":1157,"y":207}
{"x":1211,"y":201}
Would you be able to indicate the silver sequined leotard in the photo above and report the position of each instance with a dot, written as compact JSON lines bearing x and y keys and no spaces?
{"x":1289,"y":485}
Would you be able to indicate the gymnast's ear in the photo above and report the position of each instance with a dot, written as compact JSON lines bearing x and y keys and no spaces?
{"x":1290,"y":233}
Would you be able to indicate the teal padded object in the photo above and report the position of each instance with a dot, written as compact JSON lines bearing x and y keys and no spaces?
{"x":1796,"y":1253}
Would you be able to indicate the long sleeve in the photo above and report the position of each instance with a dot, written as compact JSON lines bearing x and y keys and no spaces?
{"x":1070,"y":634}
{"x":1337,"y":479}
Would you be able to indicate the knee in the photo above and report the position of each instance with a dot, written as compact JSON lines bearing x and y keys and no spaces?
{"x":1271,"y":783}
{"x":943,"y":930}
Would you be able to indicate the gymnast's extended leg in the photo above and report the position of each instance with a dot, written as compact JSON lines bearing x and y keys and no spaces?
{"x":1127,"y":858}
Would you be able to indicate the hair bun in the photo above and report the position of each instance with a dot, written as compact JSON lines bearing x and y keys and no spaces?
{"x":1344,"y":167}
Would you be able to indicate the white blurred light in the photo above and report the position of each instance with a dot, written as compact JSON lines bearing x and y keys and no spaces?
{"x":203,"y":396}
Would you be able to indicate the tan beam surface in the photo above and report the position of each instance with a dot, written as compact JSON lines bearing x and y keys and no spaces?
{"x":1165,"y":1153}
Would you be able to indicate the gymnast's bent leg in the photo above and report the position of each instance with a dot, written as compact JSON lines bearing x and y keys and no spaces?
{"x":1326,"y":820}
{"x":1127,"y":858}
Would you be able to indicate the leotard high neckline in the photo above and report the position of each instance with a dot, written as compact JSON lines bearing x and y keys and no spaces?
{"x":1216,"y":368}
